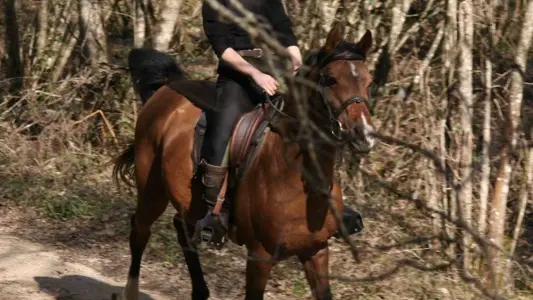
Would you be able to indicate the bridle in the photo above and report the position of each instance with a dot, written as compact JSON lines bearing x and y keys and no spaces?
{"x":336,"y":126}
{"x":343,"y":51}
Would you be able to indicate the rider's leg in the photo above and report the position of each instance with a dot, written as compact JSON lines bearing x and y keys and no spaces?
{"x":233,"y":100}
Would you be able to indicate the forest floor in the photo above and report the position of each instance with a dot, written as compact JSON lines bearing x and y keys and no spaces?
{"x":34,"y":265}
{"x":43,"y":258}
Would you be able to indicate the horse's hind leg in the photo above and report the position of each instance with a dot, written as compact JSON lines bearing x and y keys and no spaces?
{"x":316,"y":272}
{"x":148,"y":211}
{"x":185,"y":232}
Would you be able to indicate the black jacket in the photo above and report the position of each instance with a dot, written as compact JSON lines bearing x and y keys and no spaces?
{"x":223,"y":35}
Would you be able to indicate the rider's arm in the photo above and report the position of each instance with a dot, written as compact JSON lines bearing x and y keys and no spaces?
{"x":282,"y":25}
{"x":217,"y":31}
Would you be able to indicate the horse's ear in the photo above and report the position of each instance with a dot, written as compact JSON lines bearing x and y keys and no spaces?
{"x":334,"y":37}
{"x":365,"y":43}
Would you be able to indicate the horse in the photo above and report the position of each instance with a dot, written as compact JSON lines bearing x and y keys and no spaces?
{"x":274,"y":219}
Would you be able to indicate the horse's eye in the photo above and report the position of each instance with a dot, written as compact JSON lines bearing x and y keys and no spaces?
{"x":328,"y":80}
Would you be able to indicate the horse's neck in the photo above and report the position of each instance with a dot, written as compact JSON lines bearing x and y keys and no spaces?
{"x":318,"y":163}
{"x":314,"y":158}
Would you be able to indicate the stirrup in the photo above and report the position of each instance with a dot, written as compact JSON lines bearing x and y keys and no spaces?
{"x":209,"y":228}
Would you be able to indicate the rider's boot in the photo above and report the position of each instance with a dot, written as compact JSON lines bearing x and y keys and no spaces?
{"x":352,"y":221}
{"x":212,"y":228}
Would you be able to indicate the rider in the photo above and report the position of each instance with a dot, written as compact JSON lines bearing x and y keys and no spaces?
{"x":235,"y":93}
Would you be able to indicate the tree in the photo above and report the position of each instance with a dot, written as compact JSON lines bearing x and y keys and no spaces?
{"x":511,"y":133}
{"x":15,"y":69}
{"x":166,"y":24}
{"x":92,"y":29}
{"x":466,"y":39}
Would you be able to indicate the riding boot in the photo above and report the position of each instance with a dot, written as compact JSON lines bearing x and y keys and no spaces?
{"x":212,"y":228}
{"x":352,"y":221}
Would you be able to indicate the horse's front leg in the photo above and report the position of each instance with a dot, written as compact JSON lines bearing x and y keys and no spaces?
{"x":317,"y":274}
{"x":258,"y":267}
{"x":200,"y":291}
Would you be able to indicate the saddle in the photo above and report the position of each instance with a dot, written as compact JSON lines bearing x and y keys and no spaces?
{"x":247,"y":136}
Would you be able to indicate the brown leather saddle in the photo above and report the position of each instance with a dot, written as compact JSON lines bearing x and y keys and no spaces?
{"x":248,"y":134}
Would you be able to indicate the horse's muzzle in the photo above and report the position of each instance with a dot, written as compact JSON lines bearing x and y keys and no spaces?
{"x":361,"y":138}
{"x":361,"y":147}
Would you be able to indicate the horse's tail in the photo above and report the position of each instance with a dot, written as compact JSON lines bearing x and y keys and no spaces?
{"x":150,"y":69}
{"x":124,"y":166}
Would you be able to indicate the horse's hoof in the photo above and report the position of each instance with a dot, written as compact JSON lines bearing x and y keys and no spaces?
{"x":200,"y":295}
{"x":116,"y":296}
{"x":119,"y":296}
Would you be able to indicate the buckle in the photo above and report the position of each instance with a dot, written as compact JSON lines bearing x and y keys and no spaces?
{"x":255,"y":53}
{"x":258,"y":52}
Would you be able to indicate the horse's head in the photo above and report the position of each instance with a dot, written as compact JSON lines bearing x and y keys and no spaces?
{"x":344,"y":80}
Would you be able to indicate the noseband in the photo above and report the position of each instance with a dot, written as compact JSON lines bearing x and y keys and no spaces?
{"x":341,"y":52}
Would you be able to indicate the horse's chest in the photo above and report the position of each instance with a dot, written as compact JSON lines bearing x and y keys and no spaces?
{"x":294,"y":224}
{"x":279,"y":212}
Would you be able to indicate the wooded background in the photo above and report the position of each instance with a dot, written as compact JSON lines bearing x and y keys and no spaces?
{"x":451,"y":182}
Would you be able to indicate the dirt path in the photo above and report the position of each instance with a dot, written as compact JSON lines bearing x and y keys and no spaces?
{"x":44,"y":259}
{"x":88,"y":259}
{"x":31,"y":271}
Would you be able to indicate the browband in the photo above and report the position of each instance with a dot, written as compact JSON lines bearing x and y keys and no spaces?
{"x":343,"y":51}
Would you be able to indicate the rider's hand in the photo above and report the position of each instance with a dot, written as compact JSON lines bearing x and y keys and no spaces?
{"x":296,"y":57}
{"x":267,"y":82}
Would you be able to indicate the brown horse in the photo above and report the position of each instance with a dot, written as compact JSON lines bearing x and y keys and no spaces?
{"x":281,"y":207}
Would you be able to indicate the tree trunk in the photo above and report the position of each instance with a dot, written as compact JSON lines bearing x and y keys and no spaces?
{"x":487,"y":113}
{"x":501,"y":187}
{"x":139,"y":23}
{"x":386,"y":61}
{"x":66,"y":49}
{"x":42,"y":34}
{"x":399,"y":13}
{"x":329,"y":11}
{"x":15,"y":69}
{"x":485,"y":155}
{"x":164,"y":28}
{"x":435,"y":191}
{"x":449,"y":60}
{"x":464,"y":205}
{"x":527,"y":185}
{"x":92,"y":29}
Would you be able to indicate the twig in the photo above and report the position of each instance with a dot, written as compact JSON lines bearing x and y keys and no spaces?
{"x":108,"y":125}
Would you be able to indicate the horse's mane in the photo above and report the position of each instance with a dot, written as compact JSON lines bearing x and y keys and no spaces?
{"x":310,"y":57}
{"x":321,"y":57}
{"x":309,"y":61}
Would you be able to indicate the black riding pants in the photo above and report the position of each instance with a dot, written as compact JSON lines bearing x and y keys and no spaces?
{"x":236,"y":95}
